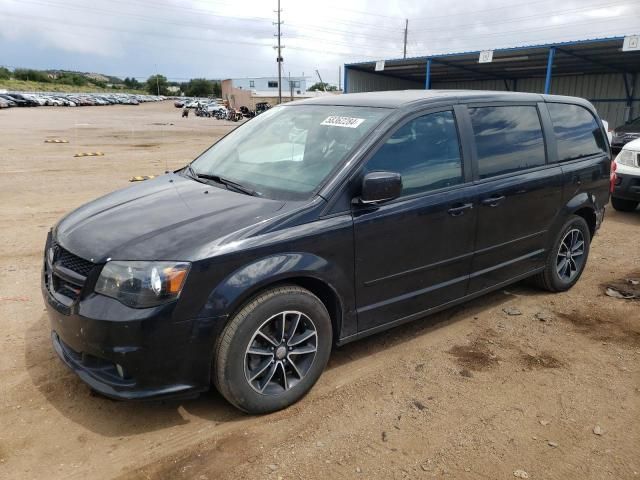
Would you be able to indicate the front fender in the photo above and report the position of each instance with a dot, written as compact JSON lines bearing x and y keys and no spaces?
{"x":242,"y":284}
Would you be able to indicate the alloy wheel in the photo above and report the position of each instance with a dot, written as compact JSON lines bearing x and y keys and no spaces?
{"x":281,"y":352}
{"x":570,"y":256}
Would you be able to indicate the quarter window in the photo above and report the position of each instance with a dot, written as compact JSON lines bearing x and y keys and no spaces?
{"x":425,"y":151}
{"x":507,"y":138}
{"x":577,"y":132}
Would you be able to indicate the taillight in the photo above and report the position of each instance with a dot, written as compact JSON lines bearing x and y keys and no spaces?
{"x":613,"y":176}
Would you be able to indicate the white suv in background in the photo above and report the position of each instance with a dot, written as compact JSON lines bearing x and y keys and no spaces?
{"x":626,"y":182}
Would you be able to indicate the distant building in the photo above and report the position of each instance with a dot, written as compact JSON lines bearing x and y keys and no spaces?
{"x":247,"y":92}
{"x":173,"y":89}
{"x":270,"y":84}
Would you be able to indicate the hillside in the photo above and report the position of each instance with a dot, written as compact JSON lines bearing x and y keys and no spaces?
{"x":28,"y":86}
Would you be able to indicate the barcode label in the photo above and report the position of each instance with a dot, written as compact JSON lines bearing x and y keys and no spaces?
{"x":347,"y":122}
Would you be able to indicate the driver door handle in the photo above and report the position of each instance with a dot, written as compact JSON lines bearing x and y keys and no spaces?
{"x":459,"y":210}
{"x":493,"y":201}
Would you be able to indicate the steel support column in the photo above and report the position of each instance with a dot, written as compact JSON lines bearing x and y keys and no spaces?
{"x":344,"y":80}
{"x":427,"y":80}
{"x":547,"y":82}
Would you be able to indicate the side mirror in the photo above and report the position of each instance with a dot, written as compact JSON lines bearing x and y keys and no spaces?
{"x":380,"y":187}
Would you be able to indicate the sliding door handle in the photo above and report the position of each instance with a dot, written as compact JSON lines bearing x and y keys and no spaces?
{"x":493,"y":201}
{"x":459,"y":210}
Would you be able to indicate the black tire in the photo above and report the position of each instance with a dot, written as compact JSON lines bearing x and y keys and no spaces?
{"x":550,"y":279}
{"x":233,"y":359}
{"x":623,"y":205}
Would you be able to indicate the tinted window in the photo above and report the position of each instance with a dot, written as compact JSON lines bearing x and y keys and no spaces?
{"x":425,"y":151}
{"x":507,"y":139}
{"x":577,"y":132}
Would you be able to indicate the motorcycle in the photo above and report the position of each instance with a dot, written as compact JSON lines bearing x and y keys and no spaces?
{"x":246,"y":113}
{"x":234,"y":115}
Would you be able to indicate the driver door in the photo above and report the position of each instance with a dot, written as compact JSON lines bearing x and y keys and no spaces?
{"x":414,"y":253}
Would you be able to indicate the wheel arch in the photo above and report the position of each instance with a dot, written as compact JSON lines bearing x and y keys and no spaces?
{"x":304,"y":270}
{"x":584,"y":205}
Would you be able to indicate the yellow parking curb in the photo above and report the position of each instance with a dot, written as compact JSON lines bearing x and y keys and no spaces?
{"x":56,"y":140}
{"x":141,"y":178}
{"x":89,"y":154}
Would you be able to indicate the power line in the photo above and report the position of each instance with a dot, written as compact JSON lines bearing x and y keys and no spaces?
{"x":466,"y":13}
{"x":530,"y":30}
{"x":520,"y":19}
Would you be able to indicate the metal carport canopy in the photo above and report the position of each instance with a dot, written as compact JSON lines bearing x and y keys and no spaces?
{"x":583,"y":57}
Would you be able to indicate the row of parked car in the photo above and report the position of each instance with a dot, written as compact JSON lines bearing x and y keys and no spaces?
{"x":56,"y":99}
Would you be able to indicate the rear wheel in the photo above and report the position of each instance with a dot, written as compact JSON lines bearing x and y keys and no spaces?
{"x":274,"y":350}
{"x":623,"y":205}
{"x":567,"y":258}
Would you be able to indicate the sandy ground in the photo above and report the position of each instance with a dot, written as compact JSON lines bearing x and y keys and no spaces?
{"x":469,"y":393}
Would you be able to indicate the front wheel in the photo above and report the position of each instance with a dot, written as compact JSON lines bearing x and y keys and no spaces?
{"x":623,"y":205}
{"x":567,"y":258}
{"x":273,"y":350}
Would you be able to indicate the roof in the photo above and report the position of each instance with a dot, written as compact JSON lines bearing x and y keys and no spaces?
{"x":403,"y":98}
{"x":268,"y":78}
{"x":601,"y":55}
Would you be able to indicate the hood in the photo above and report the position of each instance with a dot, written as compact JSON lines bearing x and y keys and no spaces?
{"x":633,"y":145}
{"x":167,"y":218}
{"x":627,"y":128}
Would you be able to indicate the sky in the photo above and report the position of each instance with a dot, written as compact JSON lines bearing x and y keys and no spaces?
{"x":185,"y":39}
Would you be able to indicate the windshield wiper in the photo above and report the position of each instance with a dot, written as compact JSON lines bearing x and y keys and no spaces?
{"x":192,"y":173}
{"x":228,"y":183}
{"x":224,"y":181}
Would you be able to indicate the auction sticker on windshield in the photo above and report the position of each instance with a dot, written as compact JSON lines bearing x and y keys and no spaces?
{"x":348,"y":122}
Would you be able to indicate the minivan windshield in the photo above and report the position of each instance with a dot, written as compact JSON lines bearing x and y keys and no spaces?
{"x":287,"y":152}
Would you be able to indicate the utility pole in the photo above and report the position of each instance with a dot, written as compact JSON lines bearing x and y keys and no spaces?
{"x":406,"y":28}
{"x":279,"y":60}
{"x":339,"y":77}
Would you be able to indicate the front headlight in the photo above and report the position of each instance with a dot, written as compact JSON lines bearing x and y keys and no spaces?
{"x":626,"y":157}
{"x":142,"y":284}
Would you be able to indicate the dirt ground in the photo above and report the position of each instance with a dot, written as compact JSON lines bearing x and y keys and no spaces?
{"x":479,"y":391}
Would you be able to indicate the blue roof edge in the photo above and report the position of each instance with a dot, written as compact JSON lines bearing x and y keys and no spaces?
{"x":506,"y":49}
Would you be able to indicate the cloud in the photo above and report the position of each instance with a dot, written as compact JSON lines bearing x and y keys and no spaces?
{"x":225,"y":38}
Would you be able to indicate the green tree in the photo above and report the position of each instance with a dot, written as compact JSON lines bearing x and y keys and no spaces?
{"x":4,"y":73}
{"x":30,"y":74}
{"x":322,"y":86}
{"x":157,"y":85}
{"x":199,"y":87}
{"x":132,"y":83}
{"x":70,"y":78}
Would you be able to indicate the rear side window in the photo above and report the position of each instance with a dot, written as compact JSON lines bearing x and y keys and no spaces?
{"x":507,"y":138}
{"x":425,"y":151}
{"x":577,"y":132}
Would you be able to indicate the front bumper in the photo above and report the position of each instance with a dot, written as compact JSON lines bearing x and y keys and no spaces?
{"x":627,"y":186}
{"x":617,"y":142}
{"x":128,"y":353}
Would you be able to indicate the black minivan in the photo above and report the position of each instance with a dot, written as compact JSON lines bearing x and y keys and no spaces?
{"x":317,"y":223}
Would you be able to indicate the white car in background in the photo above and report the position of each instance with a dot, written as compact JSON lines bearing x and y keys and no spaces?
{"x":625,"y":194}
{"x":609,"y":132}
